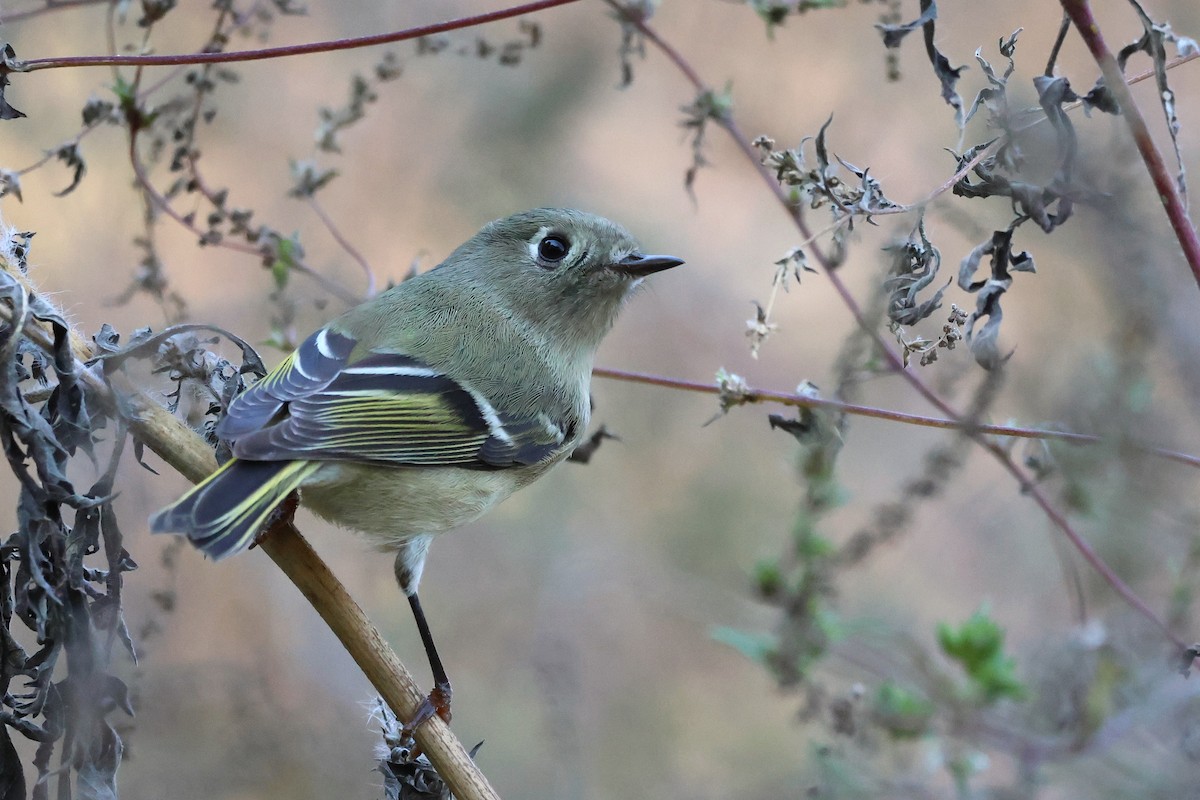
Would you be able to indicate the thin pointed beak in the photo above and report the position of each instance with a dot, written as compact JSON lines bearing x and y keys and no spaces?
{"x":637,"y":265}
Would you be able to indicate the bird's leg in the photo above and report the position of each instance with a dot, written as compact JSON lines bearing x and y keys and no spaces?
{"x":438,"y":700}
{"x":410,"y":562}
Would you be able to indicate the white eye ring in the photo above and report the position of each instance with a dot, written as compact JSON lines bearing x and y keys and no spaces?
{"x":549,"y":248}
{"x":553,"y":249}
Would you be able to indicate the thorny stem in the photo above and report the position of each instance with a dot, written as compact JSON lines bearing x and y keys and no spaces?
{"x":752,"y":395}
{"x":970,"y":427}
{"x":1168,"y":193}
{"x":291,"y":50}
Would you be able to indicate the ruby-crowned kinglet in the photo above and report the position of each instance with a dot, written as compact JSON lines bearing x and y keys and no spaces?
{"x":420,"y":409}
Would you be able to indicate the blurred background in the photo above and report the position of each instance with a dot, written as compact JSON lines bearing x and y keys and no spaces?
{"x":577,"y":620}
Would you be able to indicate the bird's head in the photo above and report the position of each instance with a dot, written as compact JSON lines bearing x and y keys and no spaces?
{"x":569,"y":271}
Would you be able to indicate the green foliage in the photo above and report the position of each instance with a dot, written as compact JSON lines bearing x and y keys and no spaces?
{"x":902,"y":712}
{"x":758,"y":647}
{"x":978,"y":647}
{"x":285,"y":252}
{"x":768,"y":577}
{"x":710,"y":105}
{"x":775,"y":12}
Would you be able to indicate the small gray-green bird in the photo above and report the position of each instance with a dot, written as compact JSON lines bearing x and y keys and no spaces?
{"x":420,"y":409}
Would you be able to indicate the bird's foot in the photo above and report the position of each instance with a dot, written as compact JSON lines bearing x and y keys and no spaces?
{"x":437,"y":702}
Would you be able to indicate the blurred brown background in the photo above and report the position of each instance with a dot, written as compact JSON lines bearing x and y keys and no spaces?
{"x":575,"y":620}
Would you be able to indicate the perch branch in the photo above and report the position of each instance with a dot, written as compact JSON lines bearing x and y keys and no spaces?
{"x":181,"y":448}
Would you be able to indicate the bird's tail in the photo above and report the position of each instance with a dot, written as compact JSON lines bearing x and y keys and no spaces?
{"x":223,"y":513}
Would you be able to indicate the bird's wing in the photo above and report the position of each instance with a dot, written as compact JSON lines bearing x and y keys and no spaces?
{"x":385,"y":408}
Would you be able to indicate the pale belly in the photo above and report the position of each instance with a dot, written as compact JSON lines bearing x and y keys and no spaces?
{"x":392,"y":505}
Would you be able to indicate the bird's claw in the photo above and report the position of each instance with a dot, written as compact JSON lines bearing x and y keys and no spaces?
{"x":437,"y":702}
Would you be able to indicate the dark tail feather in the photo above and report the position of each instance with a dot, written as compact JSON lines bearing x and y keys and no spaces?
{"x":223,"y":513}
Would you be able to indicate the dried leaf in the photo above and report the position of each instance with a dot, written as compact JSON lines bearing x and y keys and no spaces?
{"x":70,"y":156}
{"x":10,"y":183}
{"x":12,"y":774}
{"x":915,"y":265}
{"x":308,"y":179}
{"x":894,"y":34}
{"x":8,"y":63}
{"x":708,"y":106}
{"x":947,"y":75}
{"x":584,"y":452}
{"x":984,"y":345}
{"x":72,"y":608}
{"x":1153,"y":43}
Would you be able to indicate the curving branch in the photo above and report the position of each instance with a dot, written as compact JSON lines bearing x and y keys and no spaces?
{"x":181,"y":448}
{"x":285,"y":51}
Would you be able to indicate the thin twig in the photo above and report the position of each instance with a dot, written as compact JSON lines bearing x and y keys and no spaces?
{"x":895,"y":363}
{"x":752,"y":395}
{"x":1063,"y":27}
{"x":344,"y":243}
{"x":290,"y":50}
{"x":164,"y":205}
{"x":1168,"y":193}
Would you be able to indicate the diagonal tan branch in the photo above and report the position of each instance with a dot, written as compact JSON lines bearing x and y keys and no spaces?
{"x":186,"y":452}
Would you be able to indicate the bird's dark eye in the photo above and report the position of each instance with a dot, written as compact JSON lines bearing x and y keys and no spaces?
{"x":553,"y":249}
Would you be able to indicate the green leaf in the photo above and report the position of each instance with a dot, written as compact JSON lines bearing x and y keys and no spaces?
{"x":978,"y":646}
{"x":758,"y":647}
{"x":768,"y":578}
{"x":286,"y":251}
{"x":903,"y":713}
{"x":815,"y":546}
{"x":123,"y":89}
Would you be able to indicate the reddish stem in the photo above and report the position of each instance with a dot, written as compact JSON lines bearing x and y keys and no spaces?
{"x":752,"y":395}
{"x":1168,"y":193}
{"x":292,"y":50}
{"x":894,"y":361}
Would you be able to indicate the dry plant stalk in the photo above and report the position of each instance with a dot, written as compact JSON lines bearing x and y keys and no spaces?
{"x":186,"y":452}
